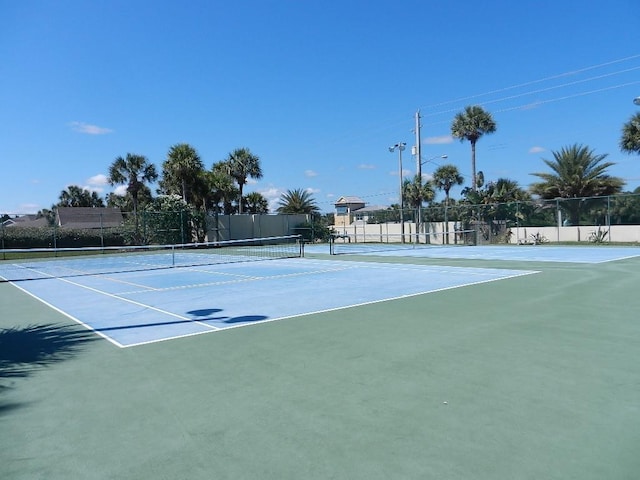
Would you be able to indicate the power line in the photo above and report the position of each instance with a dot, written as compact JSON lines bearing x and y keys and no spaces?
{"x":533,"y":82}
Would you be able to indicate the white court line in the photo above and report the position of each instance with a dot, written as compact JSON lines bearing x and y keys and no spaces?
{"x":237,"y":280}
{"x":100,"y":292}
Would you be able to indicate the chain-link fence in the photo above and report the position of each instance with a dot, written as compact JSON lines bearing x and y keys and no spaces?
{"x":613,"y":218}
{"x":78,"y":227}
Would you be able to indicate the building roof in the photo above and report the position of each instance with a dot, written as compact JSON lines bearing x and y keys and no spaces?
{"x":349,"y":200}
{"x":26,"y":221}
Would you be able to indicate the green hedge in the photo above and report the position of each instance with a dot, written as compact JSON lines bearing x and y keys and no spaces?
{"x":49,"y":237}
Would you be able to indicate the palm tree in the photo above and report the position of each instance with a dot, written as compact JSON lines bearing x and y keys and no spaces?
{"x":577,"y":172}
{"x":415,"y":192}
{"x":75,"y":196}
{"x":471,"y":125}
{"x":223,"y":190}
{"x":181,"y":169}
{"x":134,"y":171}
{"x":256,"y":203}
{"x":297,"y":201}
{"x":444,"y":178}
{"x":243,"y":164}
{"x":630,"y":139}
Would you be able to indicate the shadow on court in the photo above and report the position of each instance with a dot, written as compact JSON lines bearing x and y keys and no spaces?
{"x":205,"y":314}
{"x":25,"y":350}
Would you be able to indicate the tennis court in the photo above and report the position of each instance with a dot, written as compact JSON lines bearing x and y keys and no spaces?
{"x":523,"y":253}
{"x":383,"y":365}
{"x":141,"y":306}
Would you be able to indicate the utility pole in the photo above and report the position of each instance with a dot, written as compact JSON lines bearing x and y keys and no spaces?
{"x":418,"y":172}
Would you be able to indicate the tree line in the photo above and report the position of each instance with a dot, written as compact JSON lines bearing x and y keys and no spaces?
{"x":219,"y":189}
{"x":575,"y":171}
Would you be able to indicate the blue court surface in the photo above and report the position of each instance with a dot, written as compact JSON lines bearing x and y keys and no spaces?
{"x":134,"y":308}
{"x":524,"y":253}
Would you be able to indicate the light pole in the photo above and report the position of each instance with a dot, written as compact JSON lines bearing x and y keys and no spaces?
{"x":400,"y":147}
{"x":419,"y":164}
{"x":636,"y":101}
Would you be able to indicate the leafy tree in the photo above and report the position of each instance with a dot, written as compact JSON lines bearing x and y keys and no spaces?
{"x":181,"y":171}
{"x":168,"y":219}
{"x":75,"y":196}
{"x":135,"y":171}
{"x":630,"y":139}
{"x":625,"y":209}
{"x":242,"y":165}
{"x":577,"y":172}
{"x":472,"y":124}
{"x":125,"y":202}
{"x":297,"y":201}
{"x":256,"y":203}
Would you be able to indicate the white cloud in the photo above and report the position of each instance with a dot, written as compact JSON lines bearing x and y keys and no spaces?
{"x":99,"y":180}
{"x":310,"y":173}
{"x":121,"y":190}
{"x":96,"y":183}
{"x":364,"y":166}
{"x":272,"y":194}
{"x":313,"y":190}
{"x":536,"y":149}
{"x":405,"y":173}
{"x":82,"y":127}
{"x":442,"y":140}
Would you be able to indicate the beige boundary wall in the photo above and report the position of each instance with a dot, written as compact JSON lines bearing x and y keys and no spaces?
{"x":615,"y":233}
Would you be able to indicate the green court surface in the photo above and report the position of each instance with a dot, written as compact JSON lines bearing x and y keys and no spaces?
{"x":531,"y":377}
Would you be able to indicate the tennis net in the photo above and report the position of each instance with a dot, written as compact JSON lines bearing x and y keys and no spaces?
{"x":354,"y":244}
{"x":40,"y":263}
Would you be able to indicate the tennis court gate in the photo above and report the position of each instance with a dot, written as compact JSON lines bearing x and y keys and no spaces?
{"x":238,"y":227}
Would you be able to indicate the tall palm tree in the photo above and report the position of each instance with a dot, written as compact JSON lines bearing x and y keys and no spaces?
{"x":243,"y":164}
{"x":630,"y":139}
{"x":297,"y":201}
{"x":135,"y":171}
{"x":576,"y":172}
{"x":471,"y":124}
{"x":181,"y":169}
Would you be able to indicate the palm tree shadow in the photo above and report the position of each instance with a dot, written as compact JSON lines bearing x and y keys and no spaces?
{"x":25,"y":350}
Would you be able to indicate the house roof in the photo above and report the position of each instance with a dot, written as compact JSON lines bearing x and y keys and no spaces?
{"x":349,"y":200}
{"x":371,"y":208}
{"x":88,"y":217}
{"x":26,"y":221}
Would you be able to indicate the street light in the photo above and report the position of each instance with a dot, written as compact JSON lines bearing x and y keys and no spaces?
{"x":419,"y":164}
{"x":400,"y":147}
{"x":637,"y":101}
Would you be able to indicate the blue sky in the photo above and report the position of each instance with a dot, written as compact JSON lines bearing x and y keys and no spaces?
{"x":318,"y":90}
